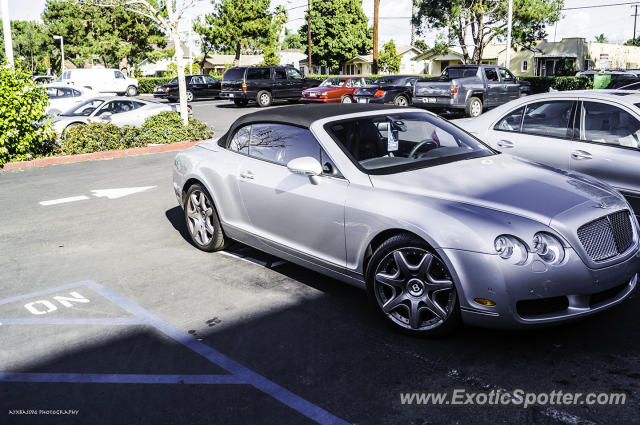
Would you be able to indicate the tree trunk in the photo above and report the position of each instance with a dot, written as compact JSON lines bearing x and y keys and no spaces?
{"x":236,"y":61}
{"x":182,"y":85}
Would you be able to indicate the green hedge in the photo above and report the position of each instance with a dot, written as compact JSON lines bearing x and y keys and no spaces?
{"x":147,"y":84}
{"x":165,"y":127}
{"x":543,"y":84}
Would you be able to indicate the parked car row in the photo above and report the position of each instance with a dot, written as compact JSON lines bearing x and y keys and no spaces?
{"x":437,"y":226}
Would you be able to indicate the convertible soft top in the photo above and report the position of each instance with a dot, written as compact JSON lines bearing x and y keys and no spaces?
{"x":305,"y":115}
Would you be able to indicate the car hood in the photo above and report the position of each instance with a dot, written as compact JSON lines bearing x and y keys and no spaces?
{"x":505,"y":183}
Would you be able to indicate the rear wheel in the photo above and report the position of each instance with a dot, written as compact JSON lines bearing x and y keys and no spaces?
{"x":190,"y":96}
{"x":263,"y":98}
{"x":412,"y":288}
{"x":347,"y":99}
{"x":401,"y":101}
{"x":240,"y":102}
{"x":202,"y":220}
{"x":473,"y":107}
{"x":132,"y":91}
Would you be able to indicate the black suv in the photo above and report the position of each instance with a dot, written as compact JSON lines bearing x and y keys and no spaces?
{"x":262,"y":84}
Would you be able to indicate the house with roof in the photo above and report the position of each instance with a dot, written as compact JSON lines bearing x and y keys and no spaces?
{"x":362,"y":64}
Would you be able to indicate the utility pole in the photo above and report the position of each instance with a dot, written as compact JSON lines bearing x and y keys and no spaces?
{"x":635,"y":18}
{"x":190,"y":50}
{"x":376,"y":10}
{"x":509,"y":22}
{"x":413,"y":27}
{"x":309,"y":36}
{"x":6,"y":28}
{"x":61,"y":38}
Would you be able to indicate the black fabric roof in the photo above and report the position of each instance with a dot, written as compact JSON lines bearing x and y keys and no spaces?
{"x":305,"y":115}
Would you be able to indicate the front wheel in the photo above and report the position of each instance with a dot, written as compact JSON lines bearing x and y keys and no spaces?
{"x":347,"y":99}
{"x":401,"y":101}
{"x":132,"y":91}
{"x":473,"y":107}
{"x":190,"y":96}
{"x":263,"y":98}
{"x":412,"y":288}
{"x":202,"y":220}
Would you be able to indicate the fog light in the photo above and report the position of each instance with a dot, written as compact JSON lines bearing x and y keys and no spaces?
{"x":484,"y":301}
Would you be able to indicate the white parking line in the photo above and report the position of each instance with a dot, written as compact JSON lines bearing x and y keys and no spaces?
{"x":64,"y":200}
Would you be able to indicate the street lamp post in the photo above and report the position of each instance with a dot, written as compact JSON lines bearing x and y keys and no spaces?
{"x":6,"y":28}
{"x":59,"y":37}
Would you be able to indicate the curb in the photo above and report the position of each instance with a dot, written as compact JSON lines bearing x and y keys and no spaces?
{"x":40,"y":162}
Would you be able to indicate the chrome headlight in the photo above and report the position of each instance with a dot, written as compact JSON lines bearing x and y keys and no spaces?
{"x":549,"y":248}
{"x":512,"y":249}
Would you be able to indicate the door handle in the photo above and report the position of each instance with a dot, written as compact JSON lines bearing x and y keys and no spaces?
{"x":505,"y":144}
{"x":247,"y":175}
{"x":581,"y":155}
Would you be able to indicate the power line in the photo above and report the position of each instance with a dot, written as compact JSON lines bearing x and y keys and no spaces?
{"x":600,"y":5}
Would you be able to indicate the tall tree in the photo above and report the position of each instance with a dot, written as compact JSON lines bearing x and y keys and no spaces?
{"x":238,"y":24}
{"x":478,"y":22}
{"x":339,"y":31}
{"x":31,"y":45}
{"x":389,"y":59}
{"x":292,"y":40}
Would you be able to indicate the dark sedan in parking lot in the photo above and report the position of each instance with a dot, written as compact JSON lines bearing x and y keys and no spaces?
{"x":198,"y":87}
{"x":395,"y":89}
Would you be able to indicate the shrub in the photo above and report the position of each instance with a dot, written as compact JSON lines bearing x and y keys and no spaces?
{"x":93,"y":137}
{"x":543,"y":84}
{"x":147,"y":84}
{"x":166,"y":127}
{"x":25,"y":131}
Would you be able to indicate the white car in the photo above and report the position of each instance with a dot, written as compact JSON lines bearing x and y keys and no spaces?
{"x":101,"y":80}
{"x":63,"y":97}
{"x":120,"y":111}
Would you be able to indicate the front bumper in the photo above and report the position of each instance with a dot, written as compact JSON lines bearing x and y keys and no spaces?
{"x":319,"y":100}
{"x":536,"y":294}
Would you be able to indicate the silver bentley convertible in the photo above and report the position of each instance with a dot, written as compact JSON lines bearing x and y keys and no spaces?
{"x":435,"y":225}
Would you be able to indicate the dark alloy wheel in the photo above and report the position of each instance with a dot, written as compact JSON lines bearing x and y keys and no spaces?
{"x":412,"y":287}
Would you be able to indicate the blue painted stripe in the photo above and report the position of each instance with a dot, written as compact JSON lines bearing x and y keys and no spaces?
{"x":43,"y":292}
{"x":281,"y":394}
{"x":115,"y":378}
{"x":74,"y":321}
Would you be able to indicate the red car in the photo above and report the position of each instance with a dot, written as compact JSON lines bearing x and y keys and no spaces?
{"x":333,"y":90}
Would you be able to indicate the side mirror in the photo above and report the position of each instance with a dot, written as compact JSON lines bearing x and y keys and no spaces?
{"x":305,"y":165}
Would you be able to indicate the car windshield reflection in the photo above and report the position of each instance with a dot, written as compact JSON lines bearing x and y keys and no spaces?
{"x":84,"y":109}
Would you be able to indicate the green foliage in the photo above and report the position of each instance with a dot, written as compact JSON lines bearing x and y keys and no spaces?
{"x":633,"y":42}
{"x":565,"y":68}
{"x":483,"y":21}
{"x":25,"y":131}
{"x":543,"y":84}
{"x":388,"y":59}
{"x":165,"y":127}
{"x":237,"y":24}
{"x":108,"y":34}
{"x":339,"y":31}
{"x":270,"y":56}
{"x":601,"y":38}
{"x":147,"y":84}
{"x":31,"y":46}
{"x":292,"y":40}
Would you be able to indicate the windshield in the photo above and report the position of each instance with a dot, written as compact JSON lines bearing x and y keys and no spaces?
{"x":84,"y":109}
{"x":333,"y":82}
{"x":460,"y":72}
{"x":173,"y":81}
{"x":385,"y":144}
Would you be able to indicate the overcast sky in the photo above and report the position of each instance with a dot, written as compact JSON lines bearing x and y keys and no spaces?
{"x":615,"y":22}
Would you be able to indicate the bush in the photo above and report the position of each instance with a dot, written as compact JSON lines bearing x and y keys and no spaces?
{"x":147,"y":84}
{"x":543,"y":84}
{"x":25,"y":131}
{"x":166,"y":127}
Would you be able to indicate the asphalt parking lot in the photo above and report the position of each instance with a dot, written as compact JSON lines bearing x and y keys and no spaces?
{"x":107,"y":309}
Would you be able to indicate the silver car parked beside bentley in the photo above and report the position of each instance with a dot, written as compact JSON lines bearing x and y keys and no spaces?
{"x":435,"y":225}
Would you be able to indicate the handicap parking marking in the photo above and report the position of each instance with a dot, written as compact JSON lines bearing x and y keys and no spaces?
{"x":238,"y":374}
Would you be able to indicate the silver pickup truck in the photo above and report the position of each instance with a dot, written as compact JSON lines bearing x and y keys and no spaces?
{"x":469,"y":87}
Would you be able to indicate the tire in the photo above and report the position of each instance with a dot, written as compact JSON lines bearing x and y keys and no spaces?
{"x":473,"y":107}
{"x":240,"y":102}
{"x":132,"y":91}
{"x":419,"y":298}
{"x":401,"y":101}
{"x":347,"y":99}
{"x":524,"y":94}
{"x":203,"y":224}
{"x":190,"y":96}
{"x":263,"y":98}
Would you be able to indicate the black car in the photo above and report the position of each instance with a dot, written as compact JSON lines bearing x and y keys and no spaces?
{"x":198,"y":87}
{"x":263,"y":84}
{"x":394,"y":89}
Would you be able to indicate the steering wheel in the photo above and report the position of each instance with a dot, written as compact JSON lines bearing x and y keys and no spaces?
{"x":425,"y":142}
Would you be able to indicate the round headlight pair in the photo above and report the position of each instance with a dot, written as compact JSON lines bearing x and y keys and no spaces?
{"x":549,"y":248}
